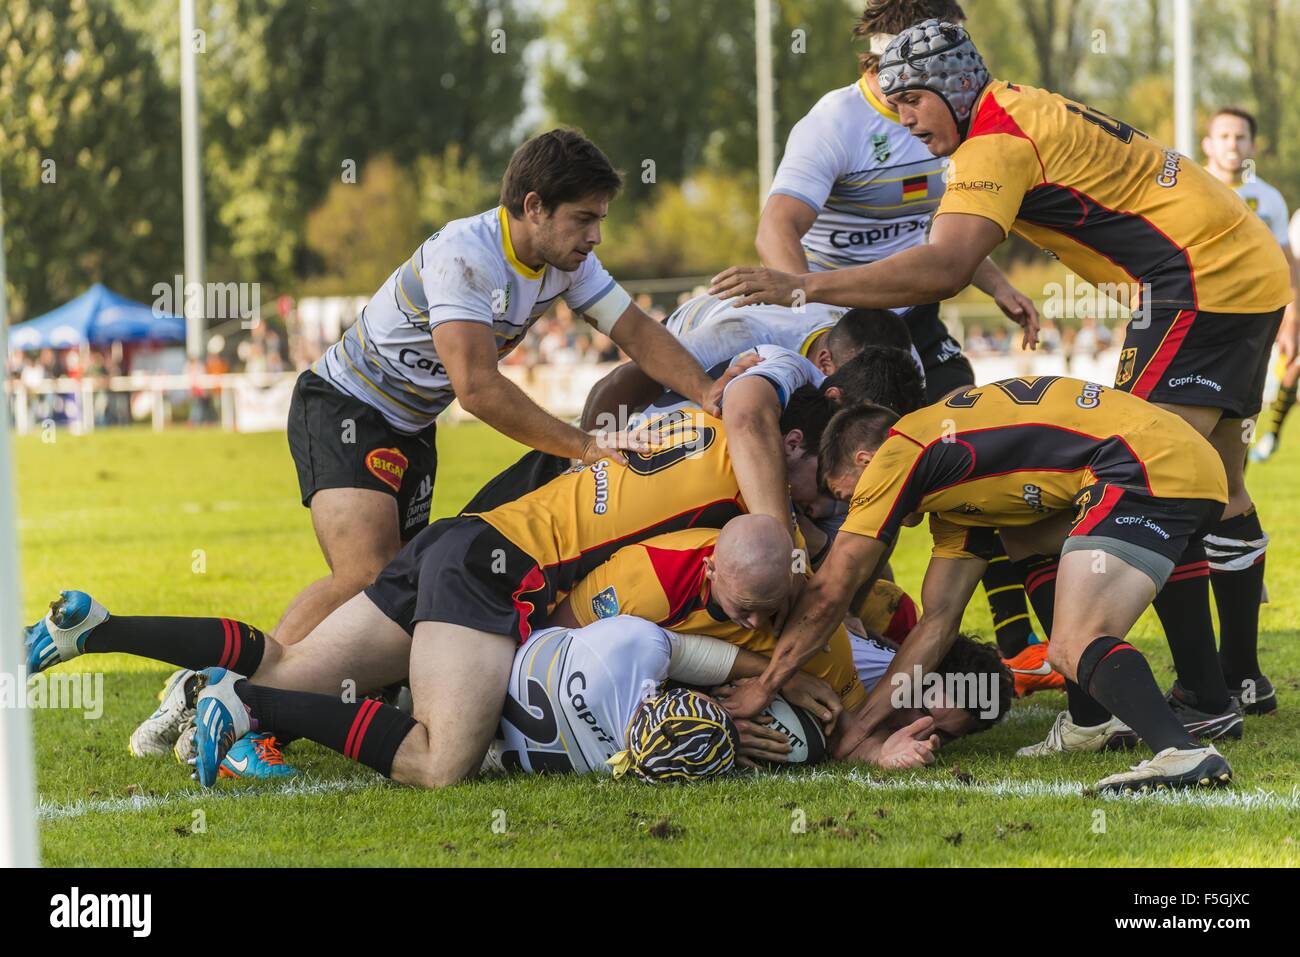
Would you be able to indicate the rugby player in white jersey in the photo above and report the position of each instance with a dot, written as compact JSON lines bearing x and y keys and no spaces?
{"x":1229,"y":146}
{"x":854,"y":187}
{"x":361,"y":425}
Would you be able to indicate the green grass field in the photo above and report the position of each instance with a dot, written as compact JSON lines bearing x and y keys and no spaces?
{"x":207,"y":523}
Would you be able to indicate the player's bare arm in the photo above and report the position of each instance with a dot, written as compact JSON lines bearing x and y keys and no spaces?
{"x":945,"y":593}
{"x":661,"y":357}
{"x":753,"y":421}
{"x":468,"y":349}
{"x":780,"y":229}
{"x":959,"y":243}
{"x":821,"y":608}
{"x":1015,"y":305}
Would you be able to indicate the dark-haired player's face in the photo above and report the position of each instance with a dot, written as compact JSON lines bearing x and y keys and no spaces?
{"x":567,"y":235}
{"x":928,"y":118}
{"x":801,"y":473}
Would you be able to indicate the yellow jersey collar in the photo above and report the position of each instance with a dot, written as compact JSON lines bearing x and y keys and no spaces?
{"x":509,"y":250}
{"x":870,"y":97}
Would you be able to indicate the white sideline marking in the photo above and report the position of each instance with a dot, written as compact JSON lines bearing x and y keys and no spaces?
{"x":50,"y":811}
{"x":1257,"y":799}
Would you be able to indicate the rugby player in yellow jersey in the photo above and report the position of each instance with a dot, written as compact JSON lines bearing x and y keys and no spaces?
{"x":1116,"y":485}
{"x":1205,"y":278}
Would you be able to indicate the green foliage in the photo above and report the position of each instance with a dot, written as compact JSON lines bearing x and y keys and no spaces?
{"x":89,"y":154}
{"x":699,"y":226}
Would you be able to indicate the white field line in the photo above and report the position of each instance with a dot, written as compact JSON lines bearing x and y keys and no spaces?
{"x":1002,"y":788}
{"x":1238,"y":799}
{"x":51,"y":811}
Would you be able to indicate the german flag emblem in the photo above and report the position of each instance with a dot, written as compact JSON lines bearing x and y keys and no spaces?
{"x":916,"y":188}
{"x":1127,"y":360}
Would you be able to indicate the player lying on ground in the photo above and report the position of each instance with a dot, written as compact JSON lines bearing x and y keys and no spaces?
{"x":362,"y":420}
{"x":1137,"y":485}
{"x":591,"y":699}
{"x":1205,"y":278}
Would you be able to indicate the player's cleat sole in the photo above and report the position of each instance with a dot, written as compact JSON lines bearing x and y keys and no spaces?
{"x":157,"y":734}
{"x":1204,"y":725}
{"x":220,"y":719}
{"x":1256,"y":696}
{"x":1067,"y":737}
{"x":1172,"y":768}
{"x":255,"y":756}
{"x":61,"y":635}
{"x":1032,"y":672}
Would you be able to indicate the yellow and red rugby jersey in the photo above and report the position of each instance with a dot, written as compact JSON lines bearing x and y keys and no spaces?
{"x":579,"y":519}
{"x":1113,"y":205}
{"x":1014,"y":451}
{"x":662,"y":580}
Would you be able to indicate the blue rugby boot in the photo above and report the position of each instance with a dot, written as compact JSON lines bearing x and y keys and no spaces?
{"x":220,"y":719}
{"x":255,"y":755}
{"x":61,"y":635}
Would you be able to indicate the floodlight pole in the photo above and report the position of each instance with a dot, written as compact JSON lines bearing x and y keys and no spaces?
{"x":192,"y":186}
{"x":1184,"y":89}
{"x":766,"y":107}
{"x":18,"y":846}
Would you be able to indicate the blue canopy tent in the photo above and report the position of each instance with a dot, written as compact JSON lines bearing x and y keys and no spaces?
{"x":98,"y":317}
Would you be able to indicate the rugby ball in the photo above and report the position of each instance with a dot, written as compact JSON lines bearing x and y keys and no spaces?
{"x":805,"y":734}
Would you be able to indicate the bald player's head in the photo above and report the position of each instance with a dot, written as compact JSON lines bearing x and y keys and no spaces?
{"x":750,"y":571}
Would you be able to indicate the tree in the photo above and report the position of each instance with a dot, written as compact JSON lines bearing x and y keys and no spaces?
{"x":89,"y":152}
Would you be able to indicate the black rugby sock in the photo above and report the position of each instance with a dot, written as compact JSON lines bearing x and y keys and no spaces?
{"x":367,"y":731}
{"x":187,"y":642}
{"x":1237,"y":548}
{"x":1005,"y":588}
{"x":1116,"y":674}
{"x":1183,"y":607}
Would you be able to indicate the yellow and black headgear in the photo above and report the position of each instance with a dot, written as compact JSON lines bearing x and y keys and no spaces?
{"x":679,"y":736}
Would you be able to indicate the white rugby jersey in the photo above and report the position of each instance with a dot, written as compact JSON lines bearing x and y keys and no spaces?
{"x":871,"y":659}
{"x":572,"y":694}
{"x":712,"y":329}
{"x":467,"y":271}
{"x":1269,"y":205}
{"x":785,"y":369}
{"x":875,"y":186}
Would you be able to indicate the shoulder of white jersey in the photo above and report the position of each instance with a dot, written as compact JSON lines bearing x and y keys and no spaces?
{"x":626,"y":639}
{"x":463,"y":246}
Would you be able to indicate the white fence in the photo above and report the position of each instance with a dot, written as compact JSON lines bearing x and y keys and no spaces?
{"x":248,"y":402}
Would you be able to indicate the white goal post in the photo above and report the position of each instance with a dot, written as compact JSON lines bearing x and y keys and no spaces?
{"x":18,"y":847}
